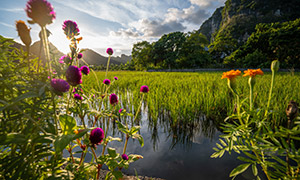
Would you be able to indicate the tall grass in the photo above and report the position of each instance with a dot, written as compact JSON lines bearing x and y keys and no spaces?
{"x":184,"y":97}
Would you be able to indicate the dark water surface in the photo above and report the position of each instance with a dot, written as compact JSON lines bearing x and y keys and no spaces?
{"x":181,"y":153}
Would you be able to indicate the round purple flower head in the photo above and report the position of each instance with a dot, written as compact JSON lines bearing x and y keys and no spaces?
{"x":79,"y":56}
{"x":60,"y":86}
{"x":40,"y":11}
{"x":109,"y":51}
{"x":96,"y":136}
{"x":85,"y":70}
{"x":116,"y":78}
{"x":77,"y":96}
{"x":65,"y":59}
{"x":70,"y":28}
{"x":106,"y":81}
{"x":113,"y":99}
{"x":144,"y":89}
{"x":125,"y":157}
{"x":73,"y":75}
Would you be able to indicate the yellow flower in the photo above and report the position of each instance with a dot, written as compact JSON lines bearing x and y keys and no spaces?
{"x":253,"y":72}
{"x":231,"y":74}
{"x":76,"y":131}
{"x":23,"y":32}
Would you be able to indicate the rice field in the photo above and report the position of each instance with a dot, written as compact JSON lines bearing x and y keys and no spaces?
{"x":183,"y":97}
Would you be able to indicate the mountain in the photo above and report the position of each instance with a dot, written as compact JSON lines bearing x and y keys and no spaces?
{"x":93,"y":58}
{"x":238,"y":18}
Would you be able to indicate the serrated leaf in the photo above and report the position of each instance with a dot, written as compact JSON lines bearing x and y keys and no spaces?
{"x":238,"y":170}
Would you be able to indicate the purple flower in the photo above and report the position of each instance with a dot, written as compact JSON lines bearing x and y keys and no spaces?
{"x":125,"y":157}
{"x":74,"y":90}
{"x":79,"y":56}
{"x":73,"y":75}
{"x":65,"y":59}
{"x":144,"y":89}
{"x":120,"y":110}
{"x":106,"y":81}
{"x":85,"y":70}
{"x":60,"y":86}
{"x":116,"y":78}
{"x":96,"y":136}
{"x":40,"y":11}
{"x":70,"y":28}
{"x":113,"y":99}
{"x":77,"y":96}
{"x":109,"y":51}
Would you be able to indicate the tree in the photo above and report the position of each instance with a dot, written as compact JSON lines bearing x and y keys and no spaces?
{"x":142,"y":55}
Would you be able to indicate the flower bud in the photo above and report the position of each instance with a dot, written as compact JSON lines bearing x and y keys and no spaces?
{"x":96,"y":136}
{"x":125,"y":157}
{"x":275,"y":65}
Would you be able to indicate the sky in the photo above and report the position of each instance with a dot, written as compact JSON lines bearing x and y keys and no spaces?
{"x":117,"y":24}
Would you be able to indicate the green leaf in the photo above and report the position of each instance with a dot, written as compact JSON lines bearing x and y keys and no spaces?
{"x":140,"y":138}
{"x":67,"y":123}
{"x":14,"y":138}
{"x":254,"y":169}
{"x":122,"y":128}
{"x":62,"y":141}
{"x":24,"y":96}
{"x":112,"y":152}
{"x":134,"y":130}
{"x":238,"y":170}
{"x":117,"y":174}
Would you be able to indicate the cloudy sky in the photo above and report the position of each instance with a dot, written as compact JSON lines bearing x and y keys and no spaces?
{"x":111,"y":23}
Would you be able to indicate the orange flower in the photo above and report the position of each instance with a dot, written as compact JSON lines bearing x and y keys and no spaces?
{"x":253,"y":72}
{"x":231,"y":74}
{"x":23,"y":32}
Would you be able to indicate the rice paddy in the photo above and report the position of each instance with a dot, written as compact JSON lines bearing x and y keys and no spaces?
{"x":184,"y":97}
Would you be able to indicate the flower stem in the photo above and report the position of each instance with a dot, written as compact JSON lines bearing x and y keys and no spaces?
{"x":46,"y":49}
{"x":138,"y":110}
{"x":107,"y":66}
{"x":270,"y":94}
{"x":125,"y":145}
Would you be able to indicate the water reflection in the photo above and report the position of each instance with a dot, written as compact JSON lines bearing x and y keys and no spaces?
{"x":173,"y":150}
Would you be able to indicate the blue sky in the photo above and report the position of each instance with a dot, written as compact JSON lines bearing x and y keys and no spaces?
{"x":111,"y":23}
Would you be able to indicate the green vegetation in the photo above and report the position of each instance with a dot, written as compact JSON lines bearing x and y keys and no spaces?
{"x":183,"y":97}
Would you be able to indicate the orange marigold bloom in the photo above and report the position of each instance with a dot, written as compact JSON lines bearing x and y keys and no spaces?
{"x":231,"y":74}
{"x":253,"y":72}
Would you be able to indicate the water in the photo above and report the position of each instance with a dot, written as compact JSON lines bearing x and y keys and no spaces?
{"x":177,"y":153}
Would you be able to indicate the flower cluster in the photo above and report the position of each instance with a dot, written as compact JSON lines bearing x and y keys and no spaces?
{"x":96,"y":136}
{"x":85,"y":70}
{"x":144,"y":89}
{"x":113,"y":99}
{"x":60,"y":85}
{"x":40,"y":11}
{"x":106,"y":81}
{"x":109,"y":51}
{"x":73,"y":75}
{"x":70,"y":29}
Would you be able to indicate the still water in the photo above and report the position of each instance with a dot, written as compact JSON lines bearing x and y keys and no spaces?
{"x":177,"y":153}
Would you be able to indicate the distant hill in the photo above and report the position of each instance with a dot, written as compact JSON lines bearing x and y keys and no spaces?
{"x":238,"y":18}
{"x":93,"y":58}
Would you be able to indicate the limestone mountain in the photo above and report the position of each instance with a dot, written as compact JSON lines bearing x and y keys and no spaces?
{"x":238,"y":18}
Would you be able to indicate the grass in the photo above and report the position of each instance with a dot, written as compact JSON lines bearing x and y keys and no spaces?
{"x":183,"y":97}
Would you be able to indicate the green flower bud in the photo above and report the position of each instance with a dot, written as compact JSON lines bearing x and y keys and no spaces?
{"x":275,"y":65}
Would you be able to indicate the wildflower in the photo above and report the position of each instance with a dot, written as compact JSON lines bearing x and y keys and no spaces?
{"x":125,"y":157}
{"x":60,"y":86}
{"x":70,"y":28}
{"x":85,"y":70}
{"x":73,"y":75}
{"x":23,"y":32}
{"x":65,"y":59}
{"x":76,"y":131}
{"x":40,"y":11}
{"x":231,"y":74}
{"x":253,"y":72}
{"x":120,"y":110}
{"x":79,"y":56}
{"x":106,"y":81}
{"x":109,"y":51}
{"x":113,"y":99}
{"x":116,"y":78}
{"x":144,"y":89}
{"x":77,"y":96}
{"x":96,"y":136}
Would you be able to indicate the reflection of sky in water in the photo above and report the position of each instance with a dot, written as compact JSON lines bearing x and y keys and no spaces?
{"x":189,"y":161}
